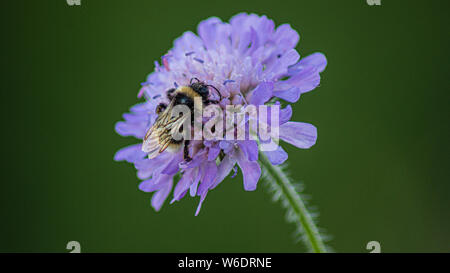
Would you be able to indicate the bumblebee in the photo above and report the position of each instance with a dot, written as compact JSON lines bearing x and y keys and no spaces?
{"x":159,"y":137}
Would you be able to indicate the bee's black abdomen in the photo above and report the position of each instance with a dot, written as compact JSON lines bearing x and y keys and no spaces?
{"x":181,"y":98}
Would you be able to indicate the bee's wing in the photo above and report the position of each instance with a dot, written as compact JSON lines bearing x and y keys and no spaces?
{"x":159,"y":136}
{"x":152,"y":137}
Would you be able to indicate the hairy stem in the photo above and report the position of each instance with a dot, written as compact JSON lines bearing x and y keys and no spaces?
{"x":282,"y":186}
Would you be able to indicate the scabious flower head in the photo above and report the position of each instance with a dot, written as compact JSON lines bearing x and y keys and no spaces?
{"x":250,"y":62}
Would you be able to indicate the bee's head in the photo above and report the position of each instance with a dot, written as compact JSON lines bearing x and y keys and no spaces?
{"x":202,"y":89}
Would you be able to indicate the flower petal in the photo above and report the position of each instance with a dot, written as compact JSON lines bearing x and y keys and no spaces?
{"x":249,"y":148}
{"x":251,"y":171}
{"x":188,"y":42}
{"x":262,"y":93}
{"x":137,"y":130}
{"x":194,"y":185}
{"x":207,"y":30}
{"x":225,"y":166}
{"x":130,"y":153}
{"x":213,"y":152}
{"x":183,"y":184}
{"x":277,"y":157}
{"x":160,"y":196}
{"x":299,"y":134}
{"x":286,"y":37}
{"x":285,"y":114}
{"x":157,"y":182}
{"x":209,"y":172}
{"x":226,"y":146}
{"x":291,"y":95}
{"x":147,"y":167}
{"x":281,"y":64}
{"x":202,"y":198}
{"x":306,"y":80}
{"x":173,"y":166}
{"x":316,"y":60}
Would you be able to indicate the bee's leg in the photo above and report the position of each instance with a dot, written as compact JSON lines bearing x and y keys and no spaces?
{"x":169,"y":93}
{"x":186,"y":156}
{"x":194,"y":79}
{"x":161,"y":107}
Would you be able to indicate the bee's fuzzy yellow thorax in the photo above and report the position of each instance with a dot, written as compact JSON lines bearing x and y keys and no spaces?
{"x":188,"y":91}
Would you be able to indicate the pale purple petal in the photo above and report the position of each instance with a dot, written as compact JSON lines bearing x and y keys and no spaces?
{"x":285,"y":114}
{"x":183,"y":184}
{"x":213,"y":153}
{"x":207,"y":31}
{"x":291,"y":95}
{"x":198,"y":159}
{"x":262,"y":93}
{"x":286,"y":37}
{"x":299,"y":134}
{"x":194,"y":185}
{"x":160,"y":196}
{"x":130,"y":153}
{"x":226,"y":146}
{"x":144,"y":174}
{"x":277,"y":157}
{"x":147,"y":167}
{"x":251,"y":171}
{"x":202,"y":198}
{"x":135,"y":118}
{"x":209,"y":172}
{"x":155,"y":183}
{"x":188,"y":42}
{"x":316,"y":60}
{"x":249,"y":148}
{"x":149,"y":185}
{"x":225,"y":166}
{"x":280,"y":67}
{"x":306,"y":80}
{"x":137,"y":130}
{"x":141,"y":108}
{"x":173,"y":166}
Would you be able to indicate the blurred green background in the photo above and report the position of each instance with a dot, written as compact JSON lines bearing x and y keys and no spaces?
{"x":379,"y":171}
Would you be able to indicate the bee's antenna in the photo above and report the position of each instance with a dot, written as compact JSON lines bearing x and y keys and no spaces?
{"x":194,"y":79}
{"x":218,"y":92}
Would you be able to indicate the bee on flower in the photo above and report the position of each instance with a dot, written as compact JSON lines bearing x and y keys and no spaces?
{"x":246,"y":62}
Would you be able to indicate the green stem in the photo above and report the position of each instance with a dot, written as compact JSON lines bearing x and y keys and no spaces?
{"x":282,"y":183}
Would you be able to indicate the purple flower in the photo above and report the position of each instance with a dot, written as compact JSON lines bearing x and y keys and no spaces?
{"x":249,"y":61}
